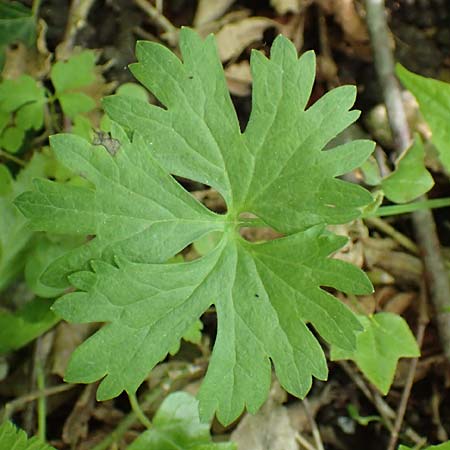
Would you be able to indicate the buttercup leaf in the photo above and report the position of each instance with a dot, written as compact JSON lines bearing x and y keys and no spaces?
{"x":138,"y":217}
{"x":177,"y":425}
{"x":386,"y":338}
{"x":16,"y":439}
{"x":433,"y":97}
{"x":411,"y":178}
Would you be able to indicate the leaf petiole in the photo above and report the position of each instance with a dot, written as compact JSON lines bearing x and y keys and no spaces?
{"x":138,"y":411}
{"x":392,"y":210}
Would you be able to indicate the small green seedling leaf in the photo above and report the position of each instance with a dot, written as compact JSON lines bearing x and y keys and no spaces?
{"x":177,"y":425}
{"x":67,"y":86}
{"x":21,"y":327}
{"x":411,"y":178}
{"x":82,"y":127}
{"x":433,"y":97}
{"x":444,"y":446}
{"x":371,"y":172}
{"x":19,"y":92}
{"x":77,"y":72}
{"x":74,"y":103}
{"x":13,"y":438}
{"x":385,"y":339}
{"x":11,"y":139}
{"x":21,"y":108}
{"x":138,"y":217}
{"x":15,"y":235}
{"x":361,"y":420}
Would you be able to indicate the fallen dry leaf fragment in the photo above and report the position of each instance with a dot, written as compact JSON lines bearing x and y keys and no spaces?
{"x":208,"y":10}
{"x":286,"y":6}
{"x":347,"y":16}
{"x":269,"y":429}
{"x":234,"y":38}
{"x":76,"y":425}
{"x":67,"y":337}
{"x":239,"y":78}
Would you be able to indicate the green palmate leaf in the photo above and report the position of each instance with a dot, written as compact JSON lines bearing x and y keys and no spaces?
{"x":19,"y":245}
{"x":198,"y":136}
{"x":45,"y":250}
{"x":13,"y":438}
{"x":133,"y":90}
{"x":15,"y":234}
{"x":177,"y":425}
{"x":21,"y":327}
{"x":386,"y":338}
{"x":193,"y":334}
{"x":16,"y":23}
{"x":139,"y":216}
{"x":410,"y":179}
{"x":434,"y":102}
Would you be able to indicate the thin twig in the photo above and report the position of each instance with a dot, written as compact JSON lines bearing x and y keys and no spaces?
{"x":6,"y":155}
{"x":384,"y":65}
{"x":423,"y":321}
{"x":385,"y":411}
{"x":160,"y":20}
{"x":35,"y":8}
{"x":41,"y":402}
{"x":303,"y":442}
{"x":436,"y":275}
{"x":148,"y":400}
{"x":314,"y":427}
{"x":78,"y":13}
{"x":18,"y":403}
{"x":388,"y":229}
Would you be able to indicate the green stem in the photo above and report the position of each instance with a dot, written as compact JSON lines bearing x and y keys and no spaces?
{"x":149,"y":399}
{"x":409,"y":207}
{"x":138,"y":411}
{"x":41,"y":402}
{"x":35,"y":8}
{"x":12,"y":158}
{"x":127,"y":422}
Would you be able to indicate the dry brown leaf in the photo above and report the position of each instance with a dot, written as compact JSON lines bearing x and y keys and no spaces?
{"x":287,"y":6}
{"x":76,"y":425}
{"x":293,"y":27}
{"x":400,"y":302}
{"x":234,"y":38}
{"x":405,"y":268}
{"x":107,"y":413}
{"x":347,"y":16}
{"x":353,"y":251}
{"x":269,"y":429}
{"x":239,"y":78}
{"x":35,"y":61}
{"x":208,"y":10}
{"x":214,"y":26}
{"x":67,"y":338}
